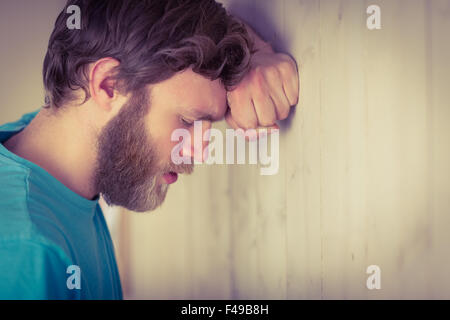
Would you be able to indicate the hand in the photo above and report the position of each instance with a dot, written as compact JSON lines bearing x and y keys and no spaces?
{"x":265,"y":94}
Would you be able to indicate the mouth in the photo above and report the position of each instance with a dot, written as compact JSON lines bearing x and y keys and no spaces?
{"x":170,"y":177}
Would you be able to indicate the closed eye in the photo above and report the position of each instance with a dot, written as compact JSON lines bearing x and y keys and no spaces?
{"x":186,"y":122}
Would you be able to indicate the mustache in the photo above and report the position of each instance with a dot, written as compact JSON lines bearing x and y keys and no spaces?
{"x":179,"y":168}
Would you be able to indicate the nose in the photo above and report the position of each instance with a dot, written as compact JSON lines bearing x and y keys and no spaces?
{"x":197,"y":147}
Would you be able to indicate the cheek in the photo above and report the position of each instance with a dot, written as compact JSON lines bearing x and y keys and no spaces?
{"x":160,"y":127}
{"x":163,"y":145}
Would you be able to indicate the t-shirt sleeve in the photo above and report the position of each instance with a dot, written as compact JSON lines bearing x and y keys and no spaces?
{"x":31,"y":270}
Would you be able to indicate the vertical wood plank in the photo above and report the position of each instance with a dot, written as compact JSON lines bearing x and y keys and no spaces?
{"x":438,"y":148}
{"x":397,"y":106}
{"x":342,"y":148}
{"x":208,"y":229}
{"x":259,"y":202}
{"x":302,"y":138}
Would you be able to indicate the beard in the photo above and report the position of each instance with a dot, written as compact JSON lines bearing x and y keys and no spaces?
{"x":128,"y":169}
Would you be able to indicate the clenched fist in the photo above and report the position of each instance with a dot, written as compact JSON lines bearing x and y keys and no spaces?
{"x":265,"y":94}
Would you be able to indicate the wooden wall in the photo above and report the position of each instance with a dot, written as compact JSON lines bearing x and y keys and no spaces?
{"x":363,"y":179}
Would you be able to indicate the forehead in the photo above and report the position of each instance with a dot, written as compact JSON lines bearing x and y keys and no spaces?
{"x":190,"y":92}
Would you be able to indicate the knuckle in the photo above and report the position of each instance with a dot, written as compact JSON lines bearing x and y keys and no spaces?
{"x":259,"y":86}
{"x":258,"y":77}
{"x":241,"y":118}
{"x":286,"y":68}
{"x":249,"y":124}
{"x":267,"y":121}
{"x":273,"y":119}
{"x":293,"y":99}
{"x":272,"y":72}
{"x":284,"y":113}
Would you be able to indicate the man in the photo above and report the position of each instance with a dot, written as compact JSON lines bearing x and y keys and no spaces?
{"x":115,"y":91}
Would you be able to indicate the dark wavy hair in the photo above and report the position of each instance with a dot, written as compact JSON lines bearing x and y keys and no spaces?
{"x":152,"y":40}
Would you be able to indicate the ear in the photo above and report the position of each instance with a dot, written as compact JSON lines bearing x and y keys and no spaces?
{"x":101,"y":86}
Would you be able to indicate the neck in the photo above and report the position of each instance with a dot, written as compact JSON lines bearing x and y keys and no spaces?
{"x":64,"y":144}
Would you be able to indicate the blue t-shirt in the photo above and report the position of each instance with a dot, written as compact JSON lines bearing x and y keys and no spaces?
{"x":54,"y":244}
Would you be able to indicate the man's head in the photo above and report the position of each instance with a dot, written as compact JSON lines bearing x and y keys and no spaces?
{"x":141,"y":69}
